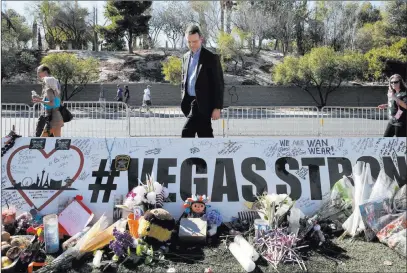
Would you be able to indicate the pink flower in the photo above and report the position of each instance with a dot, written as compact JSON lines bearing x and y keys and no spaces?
{"x":131,"y":194}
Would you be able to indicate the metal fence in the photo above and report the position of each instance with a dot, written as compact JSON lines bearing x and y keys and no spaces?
{"x":353,"y":121}
{"x":164,"y":121}
{"x":18,"y":115}
{"x":116,"y":119}
{"x":272,"y":121}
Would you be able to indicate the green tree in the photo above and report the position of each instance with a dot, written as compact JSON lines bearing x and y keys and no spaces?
{"x":46,"y":12}
{"x":112,"y":40}
{"x":71,"y":21}
{"x":15,"y":31}
{"x":172,"y":70}
{"x":320,"y":72}
{"x":377,"y":58}
{"x":371,"y":35}
{"x":230,"y":49}
{"x":73,"y":73}
{"x":396,"y":18}
{"x":128,"y":19}
{"x":368,"y":14}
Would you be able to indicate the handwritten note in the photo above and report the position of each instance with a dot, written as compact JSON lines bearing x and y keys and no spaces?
{"x":74,"y":218}
{"x":12,"y":198}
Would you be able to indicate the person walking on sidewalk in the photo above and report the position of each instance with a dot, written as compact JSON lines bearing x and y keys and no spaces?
{"x":50,"y":98}
{"x":147,"y":98}
{"x":119,"y":95}
{"x":202,"y":86}
{"x":126,"y":94}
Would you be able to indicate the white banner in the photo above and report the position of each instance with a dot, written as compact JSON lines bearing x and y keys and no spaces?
{"x":42,"y":173}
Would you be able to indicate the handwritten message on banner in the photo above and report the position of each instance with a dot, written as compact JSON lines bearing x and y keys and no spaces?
{"x":230,"y":171}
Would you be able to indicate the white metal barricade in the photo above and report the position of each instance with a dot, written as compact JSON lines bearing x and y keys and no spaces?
{"x":164,"y":121}
{"x":272,"y":121}
{"x":18,"y":115}
{"x":353,"y":121}
{"x":116,"y":119}
{"x":94,"y":119}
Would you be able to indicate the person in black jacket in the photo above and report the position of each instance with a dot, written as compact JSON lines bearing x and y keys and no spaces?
{"x":397,"y":107}
{"x":202,"y":86}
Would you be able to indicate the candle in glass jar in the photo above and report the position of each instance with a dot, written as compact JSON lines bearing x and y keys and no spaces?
{"x":51,"y":233}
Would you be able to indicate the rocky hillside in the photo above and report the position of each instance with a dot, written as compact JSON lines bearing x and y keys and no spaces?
{"x":145,"y":66}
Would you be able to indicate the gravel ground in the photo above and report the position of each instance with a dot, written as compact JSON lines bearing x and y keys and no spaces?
{"x":357,"y":256}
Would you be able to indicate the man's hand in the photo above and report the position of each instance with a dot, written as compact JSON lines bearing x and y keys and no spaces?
{"x":382,"y":106}
{"x":36,"y":99}
{"x":216,"y":114}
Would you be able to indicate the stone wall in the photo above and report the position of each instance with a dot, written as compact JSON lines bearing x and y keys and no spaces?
{"x":169,"y":95}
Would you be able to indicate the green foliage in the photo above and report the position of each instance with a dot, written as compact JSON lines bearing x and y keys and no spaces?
{"x":227,"y":45}
{"x":70,"y":70}
{"x":368,"y":14}
{"x":15,"y":61}
{"x":15,"y":31}
{"x":372,"y":35}
{"x":322,"y":69}
{"x":243,"y":35}
{"x":47,"y":11}
{"x":172,"y":70}
{"x":127,"y":18}
{"x":112,"y":40}
{"x":71,"y":22}
{"x":229,"y":48}
{"x":396,"y":18}
{"x":377,"y":57}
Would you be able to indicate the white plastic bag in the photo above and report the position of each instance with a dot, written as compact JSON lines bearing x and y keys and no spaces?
{"x":400,"y":199}
{"x":363,"y":188}
{"x":385,"y":187}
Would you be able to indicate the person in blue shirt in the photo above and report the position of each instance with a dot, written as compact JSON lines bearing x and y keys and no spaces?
{"x":51,"y":101}
{"x":202,"y":86}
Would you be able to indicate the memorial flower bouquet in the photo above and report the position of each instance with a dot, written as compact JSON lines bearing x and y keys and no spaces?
{"x":98,"y":236}
{"x":150,"y":195}
{"x":273,"y":208}
{"x":125,"y":247}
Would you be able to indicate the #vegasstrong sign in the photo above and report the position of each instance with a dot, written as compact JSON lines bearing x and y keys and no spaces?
{"x":41,"y":173}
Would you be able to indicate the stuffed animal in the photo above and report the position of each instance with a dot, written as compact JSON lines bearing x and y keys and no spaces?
{"x":156,"y":226}
{"x":150,"y":195}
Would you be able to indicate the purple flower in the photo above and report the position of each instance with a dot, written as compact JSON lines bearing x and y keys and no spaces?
{"x":214,"y":218}
{"x":123,"y":240}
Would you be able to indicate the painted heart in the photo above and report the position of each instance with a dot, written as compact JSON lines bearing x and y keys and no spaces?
{"x":46,"y":156}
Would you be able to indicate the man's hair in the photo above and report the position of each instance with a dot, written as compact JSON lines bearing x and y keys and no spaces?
{"x":43,"y":68}
{"x":193,"y":29}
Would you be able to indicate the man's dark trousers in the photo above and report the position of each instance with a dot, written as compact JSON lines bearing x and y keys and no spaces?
{"x":197,"y":123}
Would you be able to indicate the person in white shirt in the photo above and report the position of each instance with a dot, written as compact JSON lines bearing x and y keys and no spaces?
{"x":147,"y":98}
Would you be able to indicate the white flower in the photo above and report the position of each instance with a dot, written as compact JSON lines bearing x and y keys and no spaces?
{"x":166,"y":192}
{"x":151,"y":197}
{"x":158,"y":188}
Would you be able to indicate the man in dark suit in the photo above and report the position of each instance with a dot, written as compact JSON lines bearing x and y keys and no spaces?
{"x":202,"y":86}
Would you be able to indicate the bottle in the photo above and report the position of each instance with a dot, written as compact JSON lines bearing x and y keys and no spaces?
{"x":51,"y":233}
{"x":34,"y":94}
{"x":242,"y":258}
{"x":247,"y":248}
